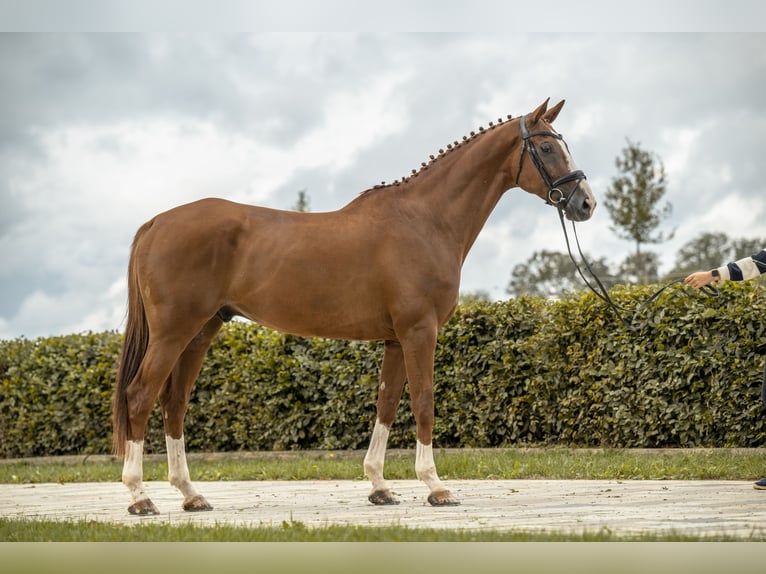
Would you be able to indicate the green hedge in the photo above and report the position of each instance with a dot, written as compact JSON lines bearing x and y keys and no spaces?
{"x":521,"y":372}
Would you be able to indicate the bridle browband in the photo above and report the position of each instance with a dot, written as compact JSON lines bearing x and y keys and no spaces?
{"x":555,"y":195}
{"x":557,"y":198}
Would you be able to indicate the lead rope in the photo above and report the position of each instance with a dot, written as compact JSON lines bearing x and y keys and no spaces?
{"x":602,"y":292}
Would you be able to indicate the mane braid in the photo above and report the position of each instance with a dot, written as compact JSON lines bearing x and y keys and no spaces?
{"x":450,"y":148}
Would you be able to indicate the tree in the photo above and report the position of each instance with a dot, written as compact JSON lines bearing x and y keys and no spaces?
{"x":303,"y":204}
{"x":640,"y":268}
{"x":743,"y":247}
{"x":710,"y":250}
{"x":705,"y":251}
{"x":552,"y":274}
{"x":632,"y":201}
{"x":468,"y":297}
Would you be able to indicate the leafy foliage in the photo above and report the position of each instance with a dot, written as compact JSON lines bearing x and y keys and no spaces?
{"x":55,"y":394}
{"x":521,"y":372}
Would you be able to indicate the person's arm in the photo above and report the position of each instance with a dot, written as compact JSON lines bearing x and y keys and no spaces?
{"x":744,"y":269}
{"x":741,"y":270}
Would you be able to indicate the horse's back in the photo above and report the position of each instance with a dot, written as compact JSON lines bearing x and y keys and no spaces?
{"x":338,"y":274}
{"x":305,"y":273}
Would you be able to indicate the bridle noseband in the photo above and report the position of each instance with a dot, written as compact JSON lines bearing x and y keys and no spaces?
{"x":555,"y":195}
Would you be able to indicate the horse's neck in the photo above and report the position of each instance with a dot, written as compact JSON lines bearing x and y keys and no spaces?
{"x":464,"y":186}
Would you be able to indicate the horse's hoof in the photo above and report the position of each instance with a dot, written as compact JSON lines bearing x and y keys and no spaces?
{"x":143,"y":508}
{"x":442,"y":498}
{"x":381,"y":497}
{"x":197,"y":504}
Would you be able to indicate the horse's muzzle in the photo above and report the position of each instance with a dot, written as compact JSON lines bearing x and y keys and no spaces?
{"x":581,"y":203}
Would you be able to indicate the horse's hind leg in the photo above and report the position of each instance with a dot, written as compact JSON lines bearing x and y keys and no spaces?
{"x":174,"y":400}
{"x":142,"y":393}
{"x":392,"y":377}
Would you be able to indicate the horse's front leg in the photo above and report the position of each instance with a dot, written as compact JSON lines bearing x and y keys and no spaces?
{"x":392,"y":377}
{"x":419,"y":348}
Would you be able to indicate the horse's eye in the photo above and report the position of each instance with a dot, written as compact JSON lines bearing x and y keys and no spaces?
{"x":546,"y":147}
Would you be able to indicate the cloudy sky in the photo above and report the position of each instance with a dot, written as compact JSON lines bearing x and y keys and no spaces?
{"x":99,"y":132}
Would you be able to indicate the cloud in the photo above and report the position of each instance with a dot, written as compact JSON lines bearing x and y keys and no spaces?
{"x":91,"y":185}
{"x":66,"y":312}
{"x":98,"y":133}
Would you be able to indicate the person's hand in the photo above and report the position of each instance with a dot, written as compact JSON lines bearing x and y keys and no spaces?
{"x":700,"y":279}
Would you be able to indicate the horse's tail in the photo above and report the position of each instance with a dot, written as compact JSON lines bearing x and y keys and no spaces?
{"x":134,"y":347}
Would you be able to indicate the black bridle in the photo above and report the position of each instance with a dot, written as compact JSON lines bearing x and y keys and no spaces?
{"x":557,"y":198}
{"x":555,"y":195}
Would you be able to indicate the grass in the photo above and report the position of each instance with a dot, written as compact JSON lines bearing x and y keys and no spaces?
{"x":502,"y":464}
{"x":12,"y":530}
{"x":554,"y":463}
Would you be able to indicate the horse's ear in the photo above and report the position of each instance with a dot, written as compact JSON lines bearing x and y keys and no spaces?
{"x":551,"y":115}
{"x":538,"y":113}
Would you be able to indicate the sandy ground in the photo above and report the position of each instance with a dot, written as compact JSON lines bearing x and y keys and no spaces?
{"x":629,"y":506}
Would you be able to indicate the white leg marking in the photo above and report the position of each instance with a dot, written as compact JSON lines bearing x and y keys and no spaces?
{"x":133,"y":470}
{"x":178,"y":471}
{"x":425,"y":469}
{"x":375,"y":457}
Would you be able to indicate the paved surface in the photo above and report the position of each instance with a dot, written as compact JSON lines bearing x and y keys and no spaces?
{"x":630,"y":506}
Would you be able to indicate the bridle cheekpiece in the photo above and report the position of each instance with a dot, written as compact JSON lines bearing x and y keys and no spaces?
{"x":555,"y":195}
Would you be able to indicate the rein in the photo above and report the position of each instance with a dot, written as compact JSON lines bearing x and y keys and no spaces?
{"x":602,"y":293}
{"x":557,"y":198}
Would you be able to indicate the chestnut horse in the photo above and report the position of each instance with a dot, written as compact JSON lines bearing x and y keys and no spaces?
{"x":385,"y":267}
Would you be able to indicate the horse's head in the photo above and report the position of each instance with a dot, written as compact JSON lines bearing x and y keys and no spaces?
{"x":547,"y":169}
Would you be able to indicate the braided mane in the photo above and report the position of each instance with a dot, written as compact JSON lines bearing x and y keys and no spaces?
{"x":442,"y":152}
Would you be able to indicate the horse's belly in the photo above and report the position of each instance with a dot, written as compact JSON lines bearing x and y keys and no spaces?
{"x":311,"y":313}
{"x":327,"y":327}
